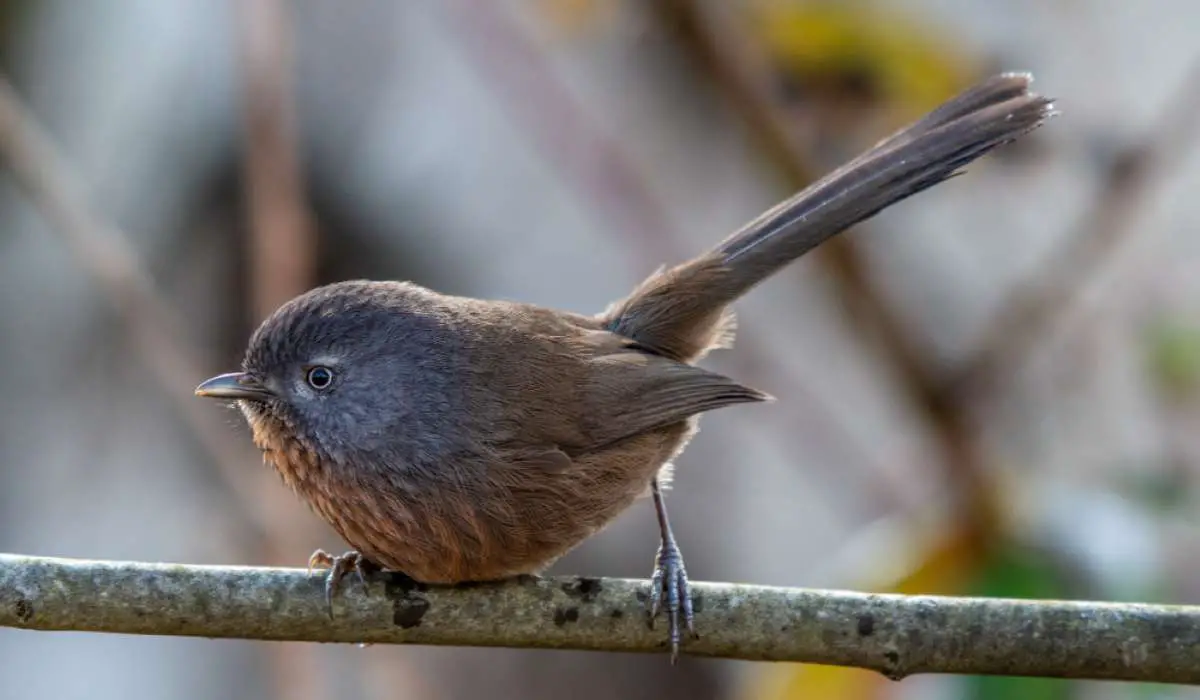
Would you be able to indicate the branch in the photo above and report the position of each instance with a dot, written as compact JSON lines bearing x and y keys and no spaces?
{"x":893,"y":634}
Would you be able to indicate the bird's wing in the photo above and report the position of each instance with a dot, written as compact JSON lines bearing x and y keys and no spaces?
{"x":633,"y":392}
{"x":549,"y":386}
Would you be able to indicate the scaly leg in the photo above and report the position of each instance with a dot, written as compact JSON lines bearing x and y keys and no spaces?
{"x":338,"y":568}
{"x":670,"y":579}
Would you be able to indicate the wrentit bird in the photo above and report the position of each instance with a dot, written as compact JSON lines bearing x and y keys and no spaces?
{"x":454,"y":439}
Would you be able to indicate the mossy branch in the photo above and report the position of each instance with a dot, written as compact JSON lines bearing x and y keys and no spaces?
{"x":893,"y":634}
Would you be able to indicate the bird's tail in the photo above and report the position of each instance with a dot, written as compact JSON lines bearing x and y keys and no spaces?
{"x":682,"y":312}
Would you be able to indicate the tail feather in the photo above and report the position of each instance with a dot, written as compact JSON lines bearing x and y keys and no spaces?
{"x":681,"y":312}
{"x":902,"y":166}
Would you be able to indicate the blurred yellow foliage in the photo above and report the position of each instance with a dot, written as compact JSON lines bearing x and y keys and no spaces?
{"x":574,"y":18}
{"x":908,"y":63}
{"x":857,"y":44}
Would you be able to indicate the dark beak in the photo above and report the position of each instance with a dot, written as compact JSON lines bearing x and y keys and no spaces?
{"x":235,"y":385}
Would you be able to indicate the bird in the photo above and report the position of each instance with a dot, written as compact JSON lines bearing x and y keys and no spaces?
{"x":453,"y":439}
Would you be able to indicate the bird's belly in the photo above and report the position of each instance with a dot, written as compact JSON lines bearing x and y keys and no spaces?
{"x":496,"y":533}
{"x":489,"y":523}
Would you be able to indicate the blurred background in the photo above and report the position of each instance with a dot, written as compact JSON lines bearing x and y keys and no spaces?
{"x":988,"y":389}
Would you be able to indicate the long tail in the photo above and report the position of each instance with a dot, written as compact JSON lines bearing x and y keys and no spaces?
{"x":682,"y":312}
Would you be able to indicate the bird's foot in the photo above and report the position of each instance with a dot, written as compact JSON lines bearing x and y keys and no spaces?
{"x":669,"y":592}
{"x":339,"y":567}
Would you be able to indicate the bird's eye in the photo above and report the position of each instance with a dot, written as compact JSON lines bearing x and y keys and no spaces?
{"x":319,"y":378}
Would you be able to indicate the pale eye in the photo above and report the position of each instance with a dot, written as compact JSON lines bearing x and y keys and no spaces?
{"x":319,"y":378}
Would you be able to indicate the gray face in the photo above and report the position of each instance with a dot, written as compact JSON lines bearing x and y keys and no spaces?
{"x":359,"y":370}
{"x":337,"y":397}
{"x":333,"y":360}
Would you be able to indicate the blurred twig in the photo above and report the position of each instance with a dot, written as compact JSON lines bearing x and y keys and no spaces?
{"x":893,"y":634}
{"x":282,"y":250}
{"x":282,"y":234}
{"x":1127,"y":188}
{"x":742,"y":73}
{"x":105,"y":253}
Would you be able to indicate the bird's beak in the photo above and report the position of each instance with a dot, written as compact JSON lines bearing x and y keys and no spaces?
{"x":235,"y":385}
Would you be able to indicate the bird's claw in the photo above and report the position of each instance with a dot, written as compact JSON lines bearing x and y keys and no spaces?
{"x":669,"y":592}
{"x":338,"y":567}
